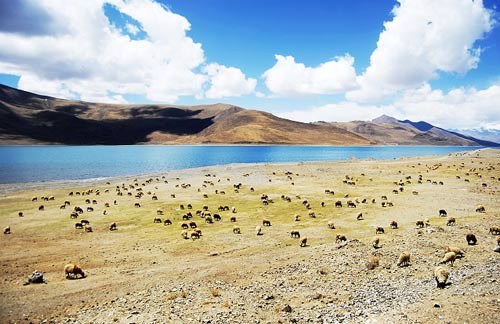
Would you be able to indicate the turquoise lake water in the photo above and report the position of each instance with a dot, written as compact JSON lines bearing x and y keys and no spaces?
{"x":19,"y":164}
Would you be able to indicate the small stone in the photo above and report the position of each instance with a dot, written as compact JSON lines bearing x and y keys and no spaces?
{"x":317,"y":296}
{"x":287,"y":308}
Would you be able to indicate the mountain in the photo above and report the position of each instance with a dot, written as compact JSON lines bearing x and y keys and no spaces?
{"x":27,"y":118}
{"x":386,"y":130}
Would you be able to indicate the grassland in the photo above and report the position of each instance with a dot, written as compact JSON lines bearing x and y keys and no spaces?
{"x":145,"y":272}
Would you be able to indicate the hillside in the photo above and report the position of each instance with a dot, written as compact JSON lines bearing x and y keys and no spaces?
{"x":27,"y":118}
{"x":386,"y":130}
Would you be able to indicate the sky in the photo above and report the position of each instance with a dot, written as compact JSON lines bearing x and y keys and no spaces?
{"x":432,"y":60}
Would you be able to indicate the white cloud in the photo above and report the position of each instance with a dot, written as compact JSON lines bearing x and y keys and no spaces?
{"x":87,"y":56}
{"x":227,"y":82}
{"x":458,"y":109}
{"x":133,"y":29}
{"x":339,"y":112}
{"x":288,"y":78}
{"x":424,"y":37}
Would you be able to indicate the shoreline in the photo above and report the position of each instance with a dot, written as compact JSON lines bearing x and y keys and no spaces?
{"x":9,"y":188}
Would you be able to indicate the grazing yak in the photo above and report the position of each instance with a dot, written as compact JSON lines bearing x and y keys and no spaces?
{"x":419,"y":224}
{"x":471,"y":239}
{"x":495,"y":230}
{"x":236,"y":230}
{"x":373,"y":263}
{"x":404,"y":259}
{"x":303,"y":242}
{"x":480,"y":209}
{"x":295,"y":234}
{"x":442,"y":213}
{"x":379,"y":230}
{"x":458,"y":251}
{"x":340,"y":238}
{"x":6,"y":230}
{"x":441,"y":275}
{"x":195,"y":235}
{"x":113,"y":227}
{"x":72,"y":271}
{"x":449,"y":257}
{"x":394,"y":224}
{"x":266,"y":222}
{"x":157,"y":220}
{"x":451,"y":221}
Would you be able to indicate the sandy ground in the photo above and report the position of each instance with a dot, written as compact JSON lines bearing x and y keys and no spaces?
{"x":146,"y":272}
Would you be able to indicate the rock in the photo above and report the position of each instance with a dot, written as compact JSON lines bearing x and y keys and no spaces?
{"x":317,"y":296}
{"x":286,"y":308}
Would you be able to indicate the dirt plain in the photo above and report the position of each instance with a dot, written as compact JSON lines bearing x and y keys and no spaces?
{"x":145,"y":272}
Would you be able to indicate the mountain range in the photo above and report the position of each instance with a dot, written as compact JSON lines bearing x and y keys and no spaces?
{"x":27,"y":118}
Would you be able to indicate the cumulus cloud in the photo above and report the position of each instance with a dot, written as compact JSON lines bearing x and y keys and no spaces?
{"x":424,"y":38}
{"x":459,"y":108}
{"x":289,"y":78}
{"x":339,"y":112}
{"x":88,"y":57}
{"x":227,"y":82}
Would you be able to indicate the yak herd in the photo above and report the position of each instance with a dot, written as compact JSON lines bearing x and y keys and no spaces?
{"x":142,"y":194}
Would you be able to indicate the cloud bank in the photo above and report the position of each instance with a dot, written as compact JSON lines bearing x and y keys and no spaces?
{"x":424,"y":38}
{"x":290,"y":79}
{"x":73,"y":49}
{"x":458,"y":109}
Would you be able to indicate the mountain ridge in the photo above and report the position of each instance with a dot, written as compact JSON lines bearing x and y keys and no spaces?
{"x":28,"y":118}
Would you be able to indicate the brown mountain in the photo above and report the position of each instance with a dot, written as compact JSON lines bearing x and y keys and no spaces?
{"x":386,"y":130}
{"x":27,"y":118}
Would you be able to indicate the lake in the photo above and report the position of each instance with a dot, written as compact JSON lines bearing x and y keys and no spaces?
{"x":20,"y":164}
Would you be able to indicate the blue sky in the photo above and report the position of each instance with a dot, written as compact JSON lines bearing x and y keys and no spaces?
{"x":433,"y":60}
